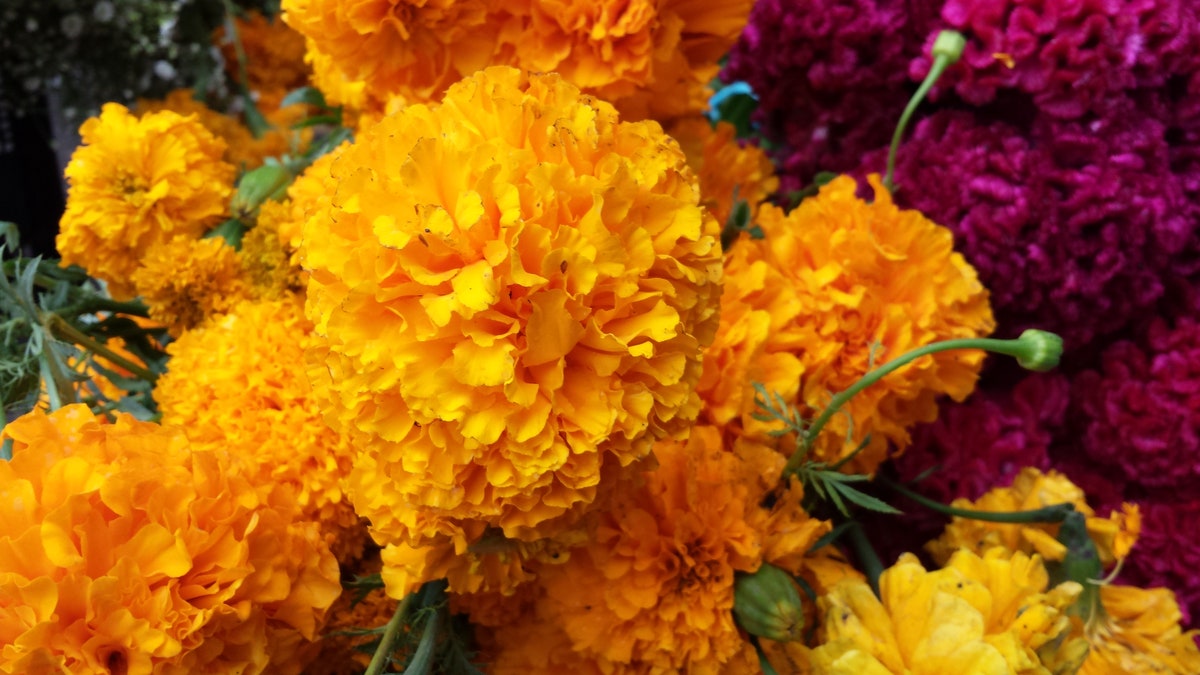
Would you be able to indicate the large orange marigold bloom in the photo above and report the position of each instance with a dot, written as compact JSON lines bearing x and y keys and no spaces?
{"x":653,"y":590}
{"x":238,"y":383}
{"x":512,"y":290}
{"x":123,"y":550}
{"x":408,"y":48}
{"x":135,"y":183}
{"x":836,"y":286}
{"x":651,"y":58}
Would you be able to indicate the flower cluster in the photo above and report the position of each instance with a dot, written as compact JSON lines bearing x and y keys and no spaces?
{"x":136,"y":184}
{"x":653,"y":589}
{"x":542,"y":283}
{"x":651,"y":59}
{"x":835,"y":287}
{"x":844,"y":62}
{"x":127,"y":550}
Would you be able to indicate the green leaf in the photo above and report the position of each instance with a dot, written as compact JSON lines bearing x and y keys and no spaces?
{"x":862,"y":499}
{"x":318,"y":120}
{"x":421,"y":662}
{"x":306,"y":95}
{"x":830,"y":537}
{"x":6,"y":450}
{"x":231,"y":230}
{"x":10,"y":234}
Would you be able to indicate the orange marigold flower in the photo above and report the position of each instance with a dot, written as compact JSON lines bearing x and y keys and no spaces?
{"x":136,"y":183}
{"x":122,"y":549}
{"x":361,"y":106}
{"x":653,"y":590}
{"x":512,"y":290}
{"x":836,"y":286}
{"x":184,"y":281}
{"x":977,"y":615}
{"x":1138,"y":632}
{"x":726,"y":168}
{"x":410,"y":48}
{"x":652,"y":59}
{"x":274,"y":54}
{"x":234,"y":383}
{"x":242,"y":149}
{"x":1030,"y":490}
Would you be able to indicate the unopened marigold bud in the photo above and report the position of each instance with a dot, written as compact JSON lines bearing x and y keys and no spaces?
{"x":949,"y":44}
{"x":767,"y":604}
{"x":1041,"y":350}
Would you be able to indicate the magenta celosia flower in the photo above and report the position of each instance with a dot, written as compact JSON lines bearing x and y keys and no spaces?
{"x":984,"y":442}
{"x":831,"y":76}
{"x":1071,"y":225}
{"x":1071,"y":56}
{"x":1167,"y":553}
{"x":1140,"y":411}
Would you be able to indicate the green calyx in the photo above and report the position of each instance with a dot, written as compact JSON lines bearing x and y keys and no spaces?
{"x":767,"y":604}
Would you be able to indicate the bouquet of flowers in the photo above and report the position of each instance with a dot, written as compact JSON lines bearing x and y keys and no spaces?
{"x":788,"y":336}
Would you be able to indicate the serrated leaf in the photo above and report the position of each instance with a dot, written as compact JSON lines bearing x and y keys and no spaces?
{"x":864,"y":500}
{"x":421,"y":662}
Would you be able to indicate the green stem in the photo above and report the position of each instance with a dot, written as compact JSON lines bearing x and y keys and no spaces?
{"x":254,"y":119}
{"x":867,"y":557}
{"x":1049,"y":514}
{"x":98,"y":304}
{"x":941,"y":61}
{"x":62,"y":329}
{"x":380,"y":659}
{"x":1009,"y":347}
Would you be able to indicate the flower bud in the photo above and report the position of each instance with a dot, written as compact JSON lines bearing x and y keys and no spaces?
{"x":767,"y":604}
{"x":949,"y":44}
{"x":269,"y":181}
{"x":1040,"y":350}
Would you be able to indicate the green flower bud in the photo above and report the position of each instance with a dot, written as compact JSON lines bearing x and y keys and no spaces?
{"x":949,"y":44}
{"x":1040,"y":350}
{"x":269,"y":181}
{"x":767,"y":604}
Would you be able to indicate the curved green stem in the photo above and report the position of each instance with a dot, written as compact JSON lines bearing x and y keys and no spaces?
{"x":62,"y":329}
{"x":379,"y":660}
{"x":1017,"y":348}
{"x":940,"y":63}
{"x":1048,"y":514}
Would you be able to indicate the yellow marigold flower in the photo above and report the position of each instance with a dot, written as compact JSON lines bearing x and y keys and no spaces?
{"x":651,"y":59}
{"x":274,"y":54}
{"x":512,"y":290}
{"x":977,"y":615}
{"x":185,"y":281}
{"x":234,"y":383}
{"x":1030,"y":490}
{"x":123,"y":550}
{"x":136,"y":183}
{"x":1138,"y":632}
{"x":837,"y":285}
{"x":724,"y":166}
{"x":411,"y":48}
